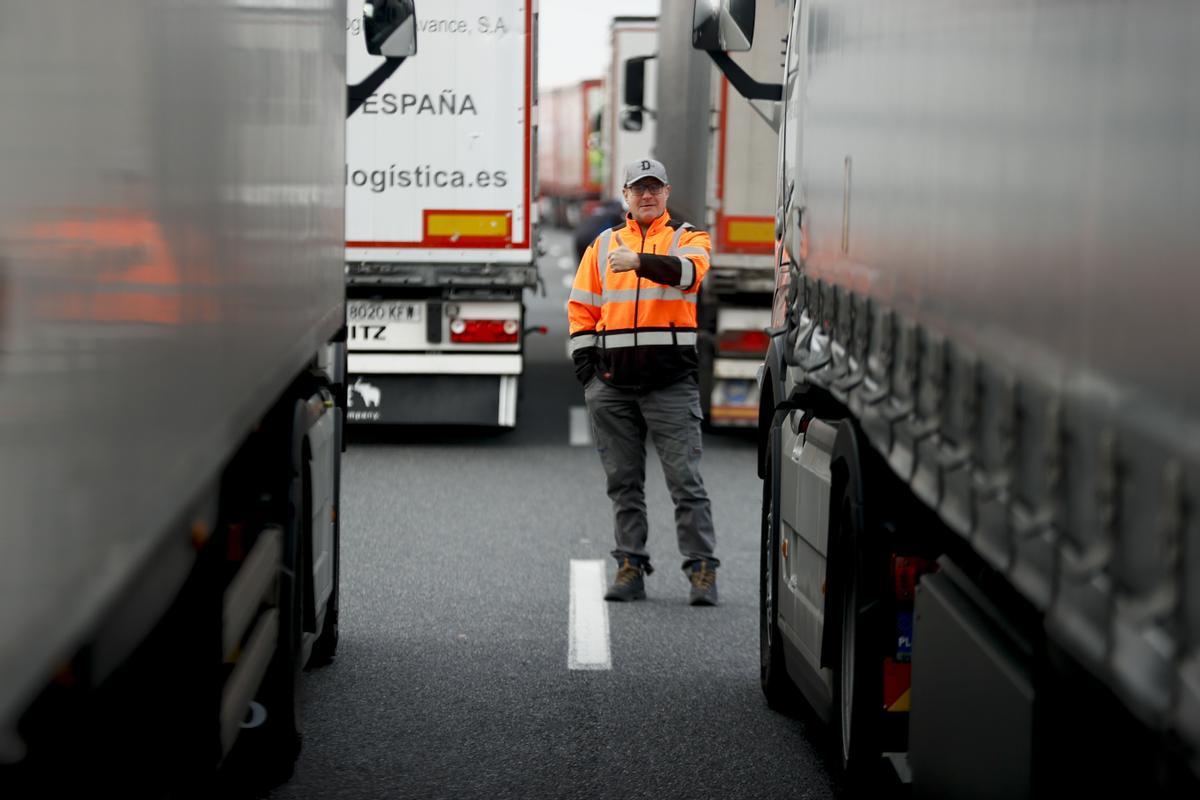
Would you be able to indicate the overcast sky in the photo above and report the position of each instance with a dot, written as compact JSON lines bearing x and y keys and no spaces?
{"x":573,"y":37}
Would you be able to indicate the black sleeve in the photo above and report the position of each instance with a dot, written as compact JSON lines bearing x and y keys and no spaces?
{"x":585,"y":364}
{"x":660,"y":269}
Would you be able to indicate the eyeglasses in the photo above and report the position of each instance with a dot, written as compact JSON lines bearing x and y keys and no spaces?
{"x":653,"y":189}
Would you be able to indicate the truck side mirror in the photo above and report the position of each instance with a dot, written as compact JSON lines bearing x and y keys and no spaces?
{"x":723,"y":25}
{"x":390,"y":27}
{"x":631,"y":119}
{"x":635,"y":82}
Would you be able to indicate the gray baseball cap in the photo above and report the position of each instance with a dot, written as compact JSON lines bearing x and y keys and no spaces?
{"x":645,"y":168}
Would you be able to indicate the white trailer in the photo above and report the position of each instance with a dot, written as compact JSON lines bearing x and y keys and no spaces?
{"x":569,"y":156}
{"x":440,"y":223}
{"x":632,"y":38}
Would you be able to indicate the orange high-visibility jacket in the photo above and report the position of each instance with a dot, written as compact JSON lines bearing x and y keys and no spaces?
{"x":637,"y":329}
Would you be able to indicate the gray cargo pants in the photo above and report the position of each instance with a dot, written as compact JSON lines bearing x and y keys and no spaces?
{"x":620,"y":419}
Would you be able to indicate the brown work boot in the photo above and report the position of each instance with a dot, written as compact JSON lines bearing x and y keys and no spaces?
{"x":628,"y":584}
{"x":704,"y":584}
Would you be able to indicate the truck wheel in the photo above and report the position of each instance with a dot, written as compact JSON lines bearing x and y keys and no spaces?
{"x":858,"y":673}
{"x":776,"y":685}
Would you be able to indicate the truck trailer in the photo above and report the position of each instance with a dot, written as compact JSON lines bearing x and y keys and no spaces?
{"x":172,"y":384}
{"x":979,"y":418}
{"x":441,"y":224}
{"x":570,"y":161}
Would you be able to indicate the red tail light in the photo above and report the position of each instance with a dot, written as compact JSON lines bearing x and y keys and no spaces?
{"x":743,"y":342}
{"x":484,"y":331}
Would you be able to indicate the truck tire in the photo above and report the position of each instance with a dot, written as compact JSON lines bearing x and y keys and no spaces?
{"x":777,"y":686}
{"x":858,"y":662}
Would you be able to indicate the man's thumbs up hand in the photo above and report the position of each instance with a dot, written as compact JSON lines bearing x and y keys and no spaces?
{"x":623,"y":259}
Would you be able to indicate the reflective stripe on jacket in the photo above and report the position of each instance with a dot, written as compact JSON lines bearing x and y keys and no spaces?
{"x":638,"y":328}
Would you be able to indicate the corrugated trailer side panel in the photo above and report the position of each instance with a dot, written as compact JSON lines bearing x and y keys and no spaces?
{"x":1000,"y":206}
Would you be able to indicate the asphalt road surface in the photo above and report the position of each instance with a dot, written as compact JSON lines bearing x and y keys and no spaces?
{"x":452,"y":678}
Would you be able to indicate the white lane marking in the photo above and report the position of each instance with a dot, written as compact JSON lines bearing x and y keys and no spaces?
{"x":565,"y":263}
{"x":588,"y":636}
{"x":581,"y":430}
{"x":568,"y":281}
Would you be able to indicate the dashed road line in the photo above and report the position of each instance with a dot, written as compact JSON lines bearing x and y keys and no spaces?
{"x":588,"y":647}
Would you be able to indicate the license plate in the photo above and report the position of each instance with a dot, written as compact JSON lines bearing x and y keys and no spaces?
{"x":375,"y":312}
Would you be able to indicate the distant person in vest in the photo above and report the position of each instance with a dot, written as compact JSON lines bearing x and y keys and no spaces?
{"x":632,"y":319}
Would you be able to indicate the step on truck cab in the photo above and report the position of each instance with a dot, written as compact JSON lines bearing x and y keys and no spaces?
{"x":441,"y":227}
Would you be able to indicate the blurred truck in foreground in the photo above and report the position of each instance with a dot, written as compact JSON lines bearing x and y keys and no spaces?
{"x":980,"y":417}
{"x":440,"y":221}
{"x":172,"y":346}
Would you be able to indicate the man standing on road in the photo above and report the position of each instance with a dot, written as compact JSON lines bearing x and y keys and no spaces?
{"x":633,"y":339}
